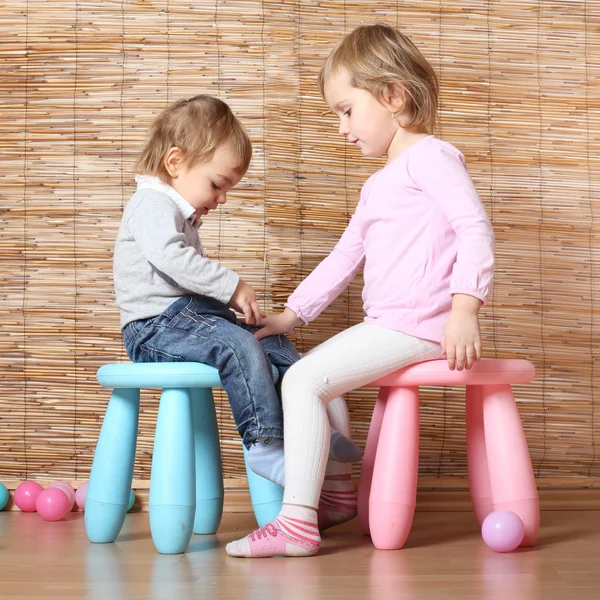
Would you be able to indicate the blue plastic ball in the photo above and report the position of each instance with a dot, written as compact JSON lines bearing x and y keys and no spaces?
{"x":3,"y":496}
{"x":131,"y":499}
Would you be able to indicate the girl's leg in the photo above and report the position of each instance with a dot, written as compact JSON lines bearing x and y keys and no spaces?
{"x":266,"y":459}
{"x":350,"y":360}
{"x":282,"y":354}
{"x":337,"y":503}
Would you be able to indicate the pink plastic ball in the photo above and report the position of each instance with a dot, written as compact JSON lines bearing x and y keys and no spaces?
{"x":26,"y":495}
{"x":80,"y":495}
{"x":52,"y":504}
{"x":68,"y":490}
{"x":66,"y":484}
{"x":502,"y":530}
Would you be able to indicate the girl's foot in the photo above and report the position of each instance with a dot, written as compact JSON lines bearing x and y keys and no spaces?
{"x":293,"y":533}
{"x":337,"y":503}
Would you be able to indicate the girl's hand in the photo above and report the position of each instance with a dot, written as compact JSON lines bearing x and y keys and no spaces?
{"x":284,"y":322}
{"x":461,"y":340}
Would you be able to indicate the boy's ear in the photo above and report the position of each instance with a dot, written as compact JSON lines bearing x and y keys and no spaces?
{"x":173,"y":161}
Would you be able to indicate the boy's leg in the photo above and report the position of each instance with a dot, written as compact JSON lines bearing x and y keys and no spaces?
{"x":201,"y":329}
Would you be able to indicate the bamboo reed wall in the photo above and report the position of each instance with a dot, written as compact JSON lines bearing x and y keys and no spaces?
{"x":82,"y":80}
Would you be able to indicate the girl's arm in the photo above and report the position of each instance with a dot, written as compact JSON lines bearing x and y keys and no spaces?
{"x":441,"y":174}
{"x":323,"y":285}
{"x":331,"y":276}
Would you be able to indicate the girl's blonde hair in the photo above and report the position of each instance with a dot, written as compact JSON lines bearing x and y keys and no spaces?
{"x":197,"y":126}
{"x":377,"y":57}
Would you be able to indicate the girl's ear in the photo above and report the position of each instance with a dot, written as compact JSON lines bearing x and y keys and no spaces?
{"x":173,"y":161}
{"x":395,"y":96}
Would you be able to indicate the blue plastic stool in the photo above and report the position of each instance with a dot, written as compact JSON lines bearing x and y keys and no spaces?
{"x":186,"y":485}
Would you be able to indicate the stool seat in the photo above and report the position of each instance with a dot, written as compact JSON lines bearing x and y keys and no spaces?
{"x":489,"y":371}
{"x":158,"y":375}
{"x":161,"y":375}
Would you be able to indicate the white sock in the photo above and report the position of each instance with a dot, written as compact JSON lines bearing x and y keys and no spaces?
{"x":265,"y":458}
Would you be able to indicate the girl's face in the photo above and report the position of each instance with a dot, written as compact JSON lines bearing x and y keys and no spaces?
{"x":204,"y":185}
{"x":364,"y":121}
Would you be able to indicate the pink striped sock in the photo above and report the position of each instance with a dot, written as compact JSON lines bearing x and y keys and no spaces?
{"x":337,"y":503}
{"x":293,"y":533}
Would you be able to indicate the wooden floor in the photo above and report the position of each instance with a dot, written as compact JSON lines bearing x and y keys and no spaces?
{"x":445,"y":558}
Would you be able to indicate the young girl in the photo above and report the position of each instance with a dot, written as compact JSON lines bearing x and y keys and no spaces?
{"x":173,"y":300}
{"x":428,"y":253}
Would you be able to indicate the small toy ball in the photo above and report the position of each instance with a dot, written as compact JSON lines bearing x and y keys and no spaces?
{"x":131,"y":500}
{"x":52,"y":504}
{"x":26,"y":495}
{"x":3,"y":496}
{"x":80,"y":495}
{"x":65,"y":484}
{"x":502,"y":530}
{"x":67,"y":489}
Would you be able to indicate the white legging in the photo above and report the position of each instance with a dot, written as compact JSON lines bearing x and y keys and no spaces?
{"x":343,"y":363}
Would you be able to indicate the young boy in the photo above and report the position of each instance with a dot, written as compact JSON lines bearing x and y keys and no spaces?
{"x":174,"y":301}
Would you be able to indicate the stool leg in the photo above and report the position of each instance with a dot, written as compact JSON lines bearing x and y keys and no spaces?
{"x":265,"y":495}
{"x":368,"y":461}
{"x":479,"y":479}
{"x":209,"y":471}
{"x":511,"y":474}
{"x":394,"y":486}
{"x":172,"y":483}
{"x":112,"y":469}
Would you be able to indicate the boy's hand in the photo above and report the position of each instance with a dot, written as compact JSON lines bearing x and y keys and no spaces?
{"x":244,"y":301}
{"x":461,"y":340}
{"x":276,"y":324}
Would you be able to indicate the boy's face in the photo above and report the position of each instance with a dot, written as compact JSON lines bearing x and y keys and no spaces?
{"x":205,"y":185}
{"x":366,"y":122}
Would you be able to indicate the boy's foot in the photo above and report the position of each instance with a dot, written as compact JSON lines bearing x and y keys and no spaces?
{"x":343,"y":449}
{"x":265,"y":458}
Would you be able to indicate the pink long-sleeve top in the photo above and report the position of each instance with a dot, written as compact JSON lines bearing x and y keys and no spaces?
{"x":422,"y":234}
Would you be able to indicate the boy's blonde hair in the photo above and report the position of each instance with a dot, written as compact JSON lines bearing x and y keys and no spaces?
{"x":197,"y":126}
{"x":379,"y":56}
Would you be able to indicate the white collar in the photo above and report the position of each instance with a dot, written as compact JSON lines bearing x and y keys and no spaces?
{"x":155,"y":183}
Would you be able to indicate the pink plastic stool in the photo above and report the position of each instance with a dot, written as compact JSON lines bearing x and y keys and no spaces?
{"x":500,"y":472}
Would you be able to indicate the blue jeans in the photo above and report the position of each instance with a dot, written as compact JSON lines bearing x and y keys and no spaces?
{"x":202,"y":329}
